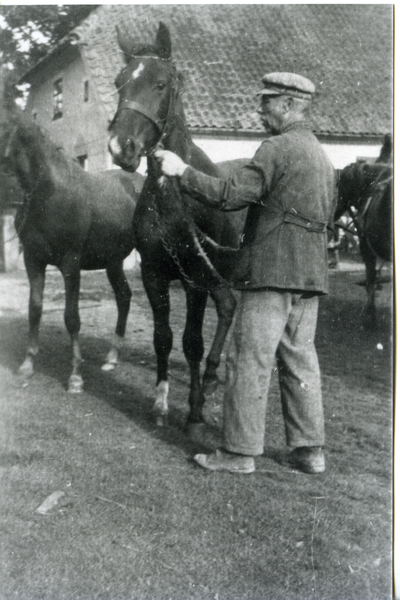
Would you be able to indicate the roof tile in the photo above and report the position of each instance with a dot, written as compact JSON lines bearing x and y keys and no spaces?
{"x":224,"y":50}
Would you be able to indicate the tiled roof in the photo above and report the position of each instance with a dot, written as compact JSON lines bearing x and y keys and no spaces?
{"x":223,"y":51}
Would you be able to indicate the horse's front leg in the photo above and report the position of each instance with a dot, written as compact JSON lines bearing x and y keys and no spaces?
{"x":123,"y":295}
{"x":225,"y":304}
{"x":70,"y":269}
{"x":193,"y":348}
{"x":36,"y":275}
{"x":157,"y":288}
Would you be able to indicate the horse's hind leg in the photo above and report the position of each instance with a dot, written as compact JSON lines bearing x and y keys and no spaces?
{"x":123,"y":294}
{"x":70,"y":269}
{"x":225,"y":304}
{"x":36,"y":275}
{"x":157,"y":289}
{"x":193,"y":348}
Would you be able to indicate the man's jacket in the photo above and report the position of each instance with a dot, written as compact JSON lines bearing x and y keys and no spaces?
{"x":290,"y":188}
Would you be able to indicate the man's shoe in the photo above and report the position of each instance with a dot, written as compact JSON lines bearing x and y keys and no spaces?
{"x":220,"y":460}
{"x":310,"y":459}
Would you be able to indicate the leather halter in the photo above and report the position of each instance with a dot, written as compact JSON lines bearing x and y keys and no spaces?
{"x":140,"y":108}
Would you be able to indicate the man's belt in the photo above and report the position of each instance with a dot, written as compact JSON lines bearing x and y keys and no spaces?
{"x":288,"y":217}
{"x":309,"y":224}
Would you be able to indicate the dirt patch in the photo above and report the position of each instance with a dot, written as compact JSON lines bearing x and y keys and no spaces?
{"x":137,"y":518}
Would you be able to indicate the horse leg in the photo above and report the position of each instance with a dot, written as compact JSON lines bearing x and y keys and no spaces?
{"x":36,"y":275}
{"x":225,"y":304}
{"x":123,"y":294}
{"x":157,"y":289}
{"x":369,"y":313}
{"x":193,"y":348}
{"x":70,"y":269}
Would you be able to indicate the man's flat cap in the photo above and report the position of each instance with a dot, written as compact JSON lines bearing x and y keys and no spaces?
{"x":287,"y":84}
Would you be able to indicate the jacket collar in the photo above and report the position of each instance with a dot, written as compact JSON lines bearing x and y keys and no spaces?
{"x":296,"y":125}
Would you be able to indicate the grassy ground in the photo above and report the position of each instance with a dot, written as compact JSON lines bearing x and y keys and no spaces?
{"x":138,"y":519}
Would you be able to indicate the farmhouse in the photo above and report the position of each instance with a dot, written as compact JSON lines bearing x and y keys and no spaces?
{"x":223,"y":51}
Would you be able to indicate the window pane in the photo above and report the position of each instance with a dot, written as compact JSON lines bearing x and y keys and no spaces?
{"x":57,"y":99}
{"x":86,"y":91}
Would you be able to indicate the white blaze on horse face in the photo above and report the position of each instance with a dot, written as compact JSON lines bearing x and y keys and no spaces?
{"x":114,"y":146}
{"x":137,"y":71}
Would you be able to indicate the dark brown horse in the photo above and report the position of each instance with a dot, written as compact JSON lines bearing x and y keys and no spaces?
{"x":177,"y":237}
{"x":71,"y":219}
{"x":366,"y":193}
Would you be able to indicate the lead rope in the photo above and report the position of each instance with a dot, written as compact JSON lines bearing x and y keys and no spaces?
{"x":198,"y":237}
{"x":193,"y":229}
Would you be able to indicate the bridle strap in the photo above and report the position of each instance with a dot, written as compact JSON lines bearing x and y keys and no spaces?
{"x":132,"y":105}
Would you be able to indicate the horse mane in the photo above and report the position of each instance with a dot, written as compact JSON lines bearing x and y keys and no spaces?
{"x":38,"y":143}
{"x":386,"y":155}
{"x":13,"y":120}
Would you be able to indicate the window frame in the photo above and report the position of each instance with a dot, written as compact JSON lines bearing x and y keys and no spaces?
{"x":58,"y":99}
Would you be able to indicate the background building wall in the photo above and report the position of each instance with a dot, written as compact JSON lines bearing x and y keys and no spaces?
{"x":83,"y":127}
{"x":341,"y":154}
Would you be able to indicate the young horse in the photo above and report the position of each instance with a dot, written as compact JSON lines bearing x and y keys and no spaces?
{"x":366,"y":192}
{"x":71,"y":219}
{"x":176,"y":236}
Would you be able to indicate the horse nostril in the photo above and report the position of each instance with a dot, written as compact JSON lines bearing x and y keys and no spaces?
{"x":129,"y":145}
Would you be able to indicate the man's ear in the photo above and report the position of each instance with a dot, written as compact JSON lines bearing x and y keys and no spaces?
{"x":288,"y":104}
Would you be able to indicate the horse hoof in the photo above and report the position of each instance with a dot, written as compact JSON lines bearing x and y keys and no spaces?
{"x":25,"y":372}
{"x":200,"y":434}
{"x":108,"y":366}
{"x":162,"y":420}
{"x":26,"y":369}
{"x":209,"y":387}
{"x":75,"y":385}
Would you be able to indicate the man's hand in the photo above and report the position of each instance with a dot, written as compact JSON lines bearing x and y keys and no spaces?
{"x":170,"y":163}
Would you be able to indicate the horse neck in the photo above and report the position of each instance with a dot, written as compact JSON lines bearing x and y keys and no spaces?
{"x":31,"y":162}
{"x":178,"y":138}
{"x":171,"y":208}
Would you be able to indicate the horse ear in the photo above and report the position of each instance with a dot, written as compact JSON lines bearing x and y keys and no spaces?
{"x":163,"y":41}
{"x":125,"y":43}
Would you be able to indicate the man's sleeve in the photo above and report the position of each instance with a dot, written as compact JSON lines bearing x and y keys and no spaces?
{"x":247,"y":186}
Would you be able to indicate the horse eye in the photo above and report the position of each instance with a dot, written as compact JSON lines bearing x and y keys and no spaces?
{"x":160,"y":86}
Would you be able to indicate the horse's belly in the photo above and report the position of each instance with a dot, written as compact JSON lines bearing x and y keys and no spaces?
{"x":99,"y":251}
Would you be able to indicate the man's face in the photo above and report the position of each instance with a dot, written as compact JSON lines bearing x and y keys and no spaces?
{"x":272,"y":111}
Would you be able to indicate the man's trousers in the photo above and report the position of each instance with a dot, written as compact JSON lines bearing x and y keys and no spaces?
{"x":273,"y":329}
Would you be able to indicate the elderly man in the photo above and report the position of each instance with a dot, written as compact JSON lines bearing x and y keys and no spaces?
{"x":289,"y":187}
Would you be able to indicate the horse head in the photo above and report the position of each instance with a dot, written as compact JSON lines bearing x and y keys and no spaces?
{"x":357,"y":181}
{"x":148,"y":88}
{"x":26,"y":153}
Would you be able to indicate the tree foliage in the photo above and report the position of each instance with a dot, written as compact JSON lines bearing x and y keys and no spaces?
{"x":30,"y":31}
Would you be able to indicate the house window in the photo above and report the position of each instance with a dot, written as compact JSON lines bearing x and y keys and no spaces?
{"x":57,"y":99}
{"x":83,"y":161}
{"x":86,"y":91}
